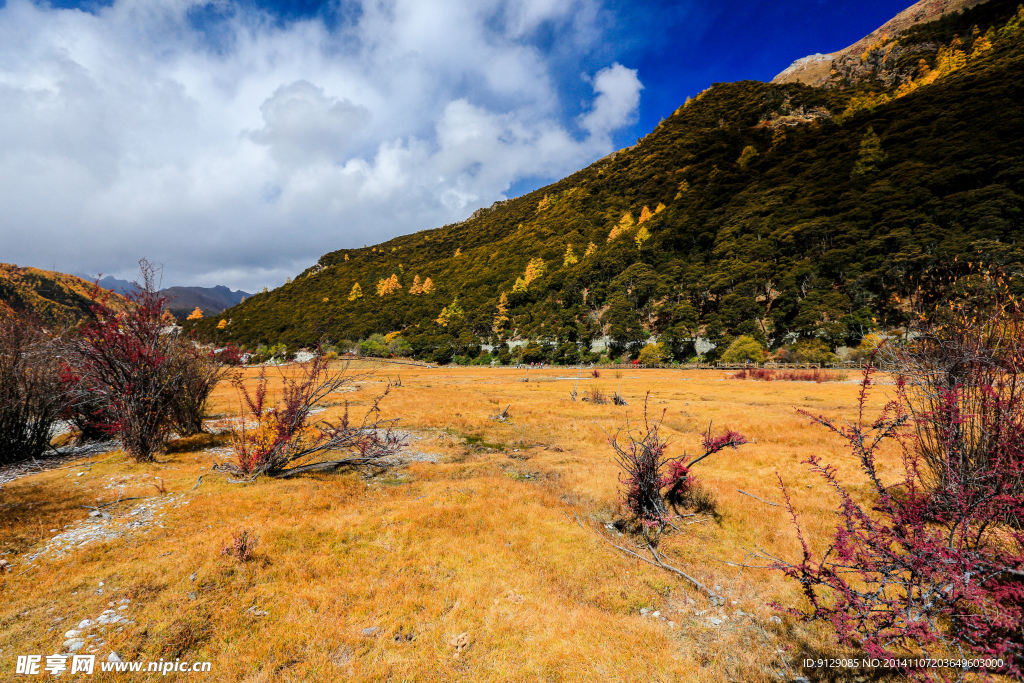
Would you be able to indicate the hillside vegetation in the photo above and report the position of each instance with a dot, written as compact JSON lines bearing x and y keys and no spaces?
{"x":783,"y":212}
{"x":55,"y":298}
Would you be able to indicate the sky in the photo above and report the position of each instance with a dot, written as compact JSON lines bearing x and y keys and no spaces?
{"x":236,"y":141}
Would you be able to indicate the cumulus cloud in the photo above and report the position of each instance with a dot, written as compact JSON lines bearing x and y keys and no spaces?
{"x":236,"y":149}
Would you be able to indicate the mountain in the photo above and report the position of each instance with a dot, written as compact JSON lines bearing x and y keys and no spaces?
{"x":183,"y":300}
{"x":819,"y":69}
{"x":210,"y":300}
{"x":778,"y":210}
{"x":56,"y":298}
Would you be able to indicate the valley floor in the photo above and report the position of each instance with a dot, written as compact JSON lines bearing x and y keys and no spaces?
{"x":466,"y":563}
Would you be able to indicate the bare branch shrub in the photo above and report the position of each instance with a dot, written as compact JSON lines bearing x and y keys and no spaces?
{"x":32,"y":397}
{"x":280,"y":440}
{"x":200,"y":372}
{"x":964,"y":371}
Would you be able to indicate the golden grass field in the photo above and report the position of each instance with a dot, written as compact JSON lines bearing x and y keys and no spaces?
{"x":480,"y":543}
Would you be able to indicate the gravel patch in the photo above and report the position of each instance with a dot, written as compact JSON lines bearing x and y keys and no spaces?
{"x":101,"y":525}
{"x":54,"y":460}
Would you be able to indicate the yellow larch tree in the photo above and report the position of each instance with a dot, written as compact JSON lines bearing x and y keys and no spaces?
{"x":642,"y":235}
{"x":356,"y":293}
{"x":450,"y":313}
{"x":534,"y":269}
{"x":645,"y":215}
{"x":428,"y":285}
{"x":501,"y":319}
{"x":222,"y":324}
{"x":591,"y":248}
{"x":570,"y":257}
{"x":388,"y":285}
{"x":195,"y":315}
{"x":624,"y":224}
{"x":416,"y":288}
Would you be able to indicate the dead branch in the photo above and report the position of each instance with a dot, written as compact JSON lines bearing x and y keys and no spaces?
{"x":776,"y":505}
{"x":660,"y":563}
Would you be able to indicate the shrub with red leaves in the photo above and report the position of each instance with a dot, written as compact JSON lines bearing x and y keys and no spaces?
{"x":650,"y":479}
{"x":129,"y":367}
{"x":934,"y":565}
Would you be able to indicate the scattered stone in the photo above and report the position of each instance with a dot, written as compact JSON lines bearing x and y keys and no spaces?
{"x":74,"y":645}
{"x":714,"y":621}
{"x":253,"y":610}
{"x":84,"y":624}
{"x":113,"y":657}
{"x":192,"y":576}
{"x":95,"y":513}
{"x":775,"y":620}
{"x":192,"y":596}
{"x":72,"y":634}
{"x":645,"y":610}
{"x":656,"y":614}
{"x":460,"y":643}
{"x":370,"y":632}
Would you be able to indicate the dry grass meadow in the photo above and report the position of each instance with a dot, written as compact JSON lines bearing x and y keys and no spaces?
{"x":481,"y":542}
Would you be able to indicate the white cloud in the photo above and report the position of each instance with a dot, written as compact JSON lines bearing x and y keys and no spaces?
{"x":240,"y":153}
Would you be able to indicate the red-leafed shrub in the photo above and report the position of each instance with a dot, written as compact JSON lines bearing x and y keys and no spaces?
{"x":650,"y":479}
{"x":132,"y":375}
{"x":933,"y":564}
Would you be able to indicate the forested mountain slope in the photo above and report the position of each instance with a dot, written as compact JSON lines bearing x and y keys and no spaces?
{"x":778,"y":210}
{"x":54,"y":298}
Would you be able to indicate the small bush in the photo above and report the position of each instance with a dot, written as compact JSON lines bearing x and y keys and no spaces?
{"x":770,"y":375}
{"x":243,"y":545}
{"x":745,"y":349}
{"x":652,"y":354}
{"x":813,"y":351}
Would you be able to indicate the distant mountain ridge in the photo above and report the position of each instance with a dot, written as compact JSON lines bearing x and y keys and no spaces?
{"x":817,"y":69}
{"x":183,"y":300}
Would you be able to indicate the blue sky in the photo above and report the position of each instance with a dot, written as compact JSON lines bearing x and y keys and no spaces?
{"x":236,"y":142}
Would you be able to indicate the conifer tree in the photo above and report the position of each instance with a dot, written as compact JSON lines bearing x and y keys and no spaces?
{"x":534,"y":269}
{"x":222,"y":324}
{"x":591,"y":248}
{"x":195,"y":315}
{"x":501,"y":319}
{"x":428,"y":285}
{"x":356,"y":293}
{"x":388,"y":285}
{"x":623,"y":225}
{"x":871,"y":154}
{"x":747,"y":156}
{"x":450,"y":313}
{"x":645,"y":215}
{"x":570,"y":257}
{"x":642,"y":235}
{"x":416,"y":288}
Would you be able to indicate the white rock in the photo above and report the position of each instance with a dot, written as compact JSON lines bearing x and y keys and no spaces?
{"x":75,"y":645}
{"x":85,"y":623}
{"x":657,"y":614}
{"x":72,"y":634}
{"x":113,"y":657}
